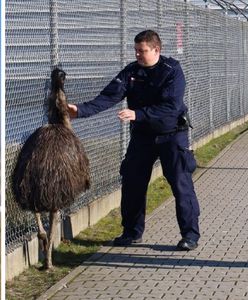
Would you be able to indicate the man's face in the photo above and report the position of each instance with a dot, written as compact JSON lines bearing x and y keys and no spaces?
{"x":146,"y":55}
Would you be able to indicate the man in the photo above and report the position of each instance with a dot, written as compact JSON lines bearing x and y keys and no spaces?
{"x":154,"y":87}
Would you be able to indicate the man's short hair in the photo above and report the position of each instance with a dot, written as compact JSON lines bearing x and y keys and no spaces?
{"x":150,"y":37}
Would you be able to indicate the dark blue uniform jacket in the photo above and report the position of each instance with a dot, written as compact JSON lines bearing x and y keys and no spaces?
{"x":154,"y":93}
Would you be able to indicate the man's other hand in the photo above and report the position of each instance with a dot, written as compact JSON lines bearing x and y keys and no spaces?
{"x":127,"y":115}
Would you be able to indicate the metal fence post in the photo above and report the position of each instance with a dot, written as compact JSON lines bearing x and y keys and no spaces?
{"x":160,"y":15}
{"x":54,"y":37}
{"x":187,"y":57}
{"x":245,"y":57}
{"x":123,"y":29}
{"x":54,"y":51}
{"x":227,"y":77}
{"x":242,"y":77}
{"x":211,"y":110}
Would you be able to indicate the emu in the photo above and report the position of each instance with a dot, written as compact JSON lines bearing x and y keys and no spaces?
{"x":52,"y":168}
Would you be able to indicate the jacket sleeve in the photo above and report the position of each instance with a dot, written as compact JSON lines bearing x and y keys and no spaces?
{"x":113,"y":93}
{"x":164,"y":115}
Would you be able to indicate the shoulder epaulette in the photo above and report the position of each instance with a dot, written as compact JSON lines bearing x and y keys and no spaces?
{"x":169,"y":62}
{"x":131,"y":65}
{"x":167,"y":65}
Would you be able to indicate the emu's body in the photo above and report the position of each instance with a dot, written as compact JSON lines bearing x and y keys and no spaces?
{"x":52,"y":168}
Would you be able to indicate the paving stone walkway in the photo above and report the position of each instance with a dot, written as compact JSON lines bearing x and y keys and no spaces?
{"x":217,"y":269}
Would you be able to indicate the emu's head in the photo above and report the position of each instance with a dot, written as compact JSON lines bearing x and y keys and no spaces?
{"x":58,"y":110}
{"x":57,"y":79}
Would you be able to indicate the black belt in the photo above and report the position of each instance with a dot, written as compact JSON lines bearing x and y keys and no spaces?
{"x":177,"y":129}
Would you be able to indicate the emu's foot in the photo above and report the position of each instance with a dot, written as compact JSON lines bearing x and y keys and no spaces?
{"x":47,"y":268}
{"x":43,"y":241}
{"x":48,"y":264}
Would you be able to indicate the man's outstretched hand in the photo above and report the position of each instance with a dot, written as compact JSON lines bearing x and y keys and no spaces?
{"x":72,"y":110}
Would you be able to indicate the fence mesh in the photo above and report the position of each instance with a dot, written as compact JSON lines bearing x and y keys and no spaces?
{"x":92,"y":41}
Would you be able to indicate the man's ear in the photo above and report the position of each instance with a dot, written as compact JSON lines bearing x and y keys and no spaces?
{"x":157,"y":49}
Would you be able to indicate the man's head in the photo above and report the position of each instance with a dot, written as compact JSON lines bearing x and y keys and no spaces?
{"x":147,"y":48}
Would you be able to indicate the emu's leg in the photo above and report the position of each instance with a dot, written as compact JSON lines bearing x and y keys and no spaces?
{"x":53,"y":222}
{"x":42,"y":236}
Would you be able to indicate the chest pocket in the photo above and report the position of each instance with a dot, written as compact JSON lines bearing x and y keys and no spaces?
{"x":142,"y":92}
{"x":137,"y":85}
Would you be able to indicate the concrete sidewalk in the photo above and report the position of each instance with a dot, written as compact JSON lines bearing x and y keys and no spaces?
{"x":217,"y":269}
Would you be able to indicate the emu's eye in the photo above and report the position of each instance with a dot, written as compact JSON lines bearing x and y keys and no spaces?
{"x":62,"y":75}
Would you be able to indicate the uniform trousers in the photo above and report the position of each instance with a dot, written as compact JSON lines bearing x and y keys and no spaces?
{"x":178,"y":164}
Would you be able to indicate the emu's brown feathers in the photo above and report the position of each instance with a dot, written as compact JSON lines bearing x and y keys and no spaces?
{"x":52,"y":168}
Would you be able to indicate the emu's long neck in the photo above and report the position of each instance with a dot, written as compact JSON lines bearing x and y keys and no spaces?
{"x":58,"y":111}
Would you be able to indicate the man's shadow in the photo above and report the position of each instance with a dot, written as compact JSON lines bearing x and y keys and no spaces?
{"x":164,"y":257}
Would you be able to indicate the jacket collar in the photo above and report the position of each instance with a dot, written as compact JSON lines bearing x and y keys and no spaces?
{"x":161,"y":71}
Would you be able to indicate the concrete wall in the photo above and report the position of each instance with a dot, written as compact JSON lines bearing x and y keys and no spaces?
{"x":28,"y":253}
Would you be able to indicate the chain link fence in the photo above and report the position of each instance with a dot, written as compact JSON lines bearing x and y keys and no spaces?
{"x":92,"y":41}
